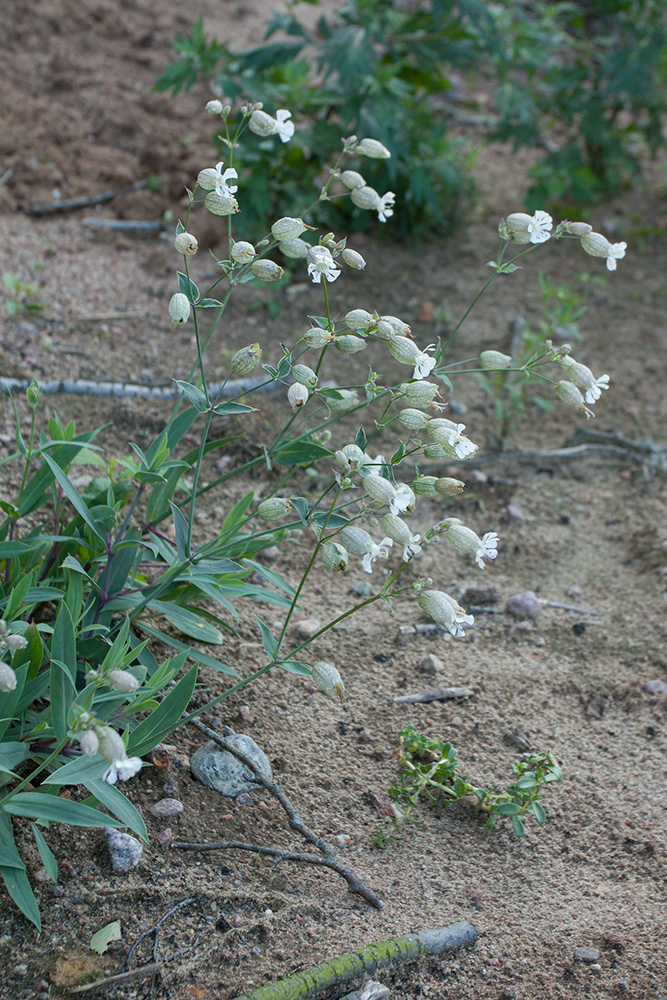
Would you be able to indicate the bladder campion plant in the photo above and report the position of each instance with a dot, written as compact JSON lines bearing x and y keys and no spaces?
{"x":89,"y":576}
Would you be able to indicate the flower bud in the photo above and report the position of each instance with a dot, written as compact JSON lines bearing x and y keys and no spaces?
{"x":595,"y":244}
{"x":214,"y":107}
{"x":261,"y":123}
{"x":419,"y":393}
{"x":518,"y":224}
{"x":186,"y":243}
{"x":327,"y":679}
{"x":379,"y":489}
{"x":353,"y":259}
{"x":179,"y":308}
{"x":243,"y":252}
{"x":384,"y":330}
{"x":359,"y":319}
{"x":351,"y":179}
{"x":424,"y":486}
{"x":122,"y":680}
{"x":7,"y":678}
{"x":412,"y":420}
{"x":396,"y":529}
{"x":14,"y":641}
{"x":356,"y":540}
{"x":347,"y":399}
{"x":207,"y":179}
{"x":447,"y":487}
{"x":444,"y":610}
{"x":305,"y":375}
{"x":274,"y":509}
{"x":221,"y":204}
{"x":287,"y":229}
{"x":435,"y":452}
{"x":89,"y":743}
{"x":266,"y":270}
{"x":490,"y":360}
{"x":3,"y":626}
{"x":297,"y":395}
{"x":349,"y":344}
{"x":246,"y":360}
{"x":403,"y":350}
{"x":578,"y":228}
{"x":351,"y":457}
{"x":365,"y":197}
{"x":111,"y":745}
{"x":334,"y":556}
{"x":569,"y":394}
{"x":316,"y":337}
{"x":373,"y":149}
{"x":398,"y":326}
{"x":294,"y":249}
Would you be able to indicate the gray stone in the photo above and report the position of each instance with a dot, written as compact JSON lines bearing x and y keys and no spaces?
{"x":525,"y":605}
{"x":124,"y":850}
{"x":307,"y":628}
{"x":588,"y":955}
{"x":430,"y":665}
{"x":363,"y":588}
{"x":655,"y":687}
{"x":221,"y":771}
{"x":167,"y":807}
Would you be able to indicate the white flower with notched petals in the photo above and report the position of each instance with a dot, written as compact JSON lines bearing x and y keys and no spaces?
{"x":222,"y":178}
{"x":424,"y":364}
{"x":450,"y":436}
{"x":122,"y":770}
{"x":321,"y":264}
{"x":380,"y":551}
{"x":523,"y":228}
{"x":539,"y":227}
{"x":598,"y":245}
{"x":466,"y":540}
{"x":444,"y":610}
{"x":385,"y":206}
{"x":284,"y":127}
{"x":584,"y":378}
{"x":360,"y":543}
{"x":399,"y":532}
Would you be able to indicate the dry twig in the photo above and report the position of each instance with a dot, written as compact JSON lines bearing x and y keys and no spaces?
{"x":329,"y":859}
{"x":71,"y":204}
{"x":443,"y":694}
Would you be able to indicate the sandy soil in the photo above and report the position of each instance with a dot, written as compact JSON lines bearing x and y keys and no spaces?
{"x":79,"y":116}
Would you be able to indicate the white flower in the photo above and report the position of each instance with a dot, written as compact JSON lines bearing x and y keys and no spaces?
{"x":122,"y":770}
{"x":360,"y":543}
{"x":539,"y":227}
{"x":450,"y":436}
{"x":584,"y":379}
{"x":284,"y":128}
{"x":598,"y":245}
{"x":444,"y":610}
{"x":321,"y":264}
{"x":222,"y":187}
{"x":570,"y":394}
{"x":405,"y":499}
{"x":385,"y":207}
{"x":424,"y":365}
{"x":523,"y":228}
{"x":466,"y":540}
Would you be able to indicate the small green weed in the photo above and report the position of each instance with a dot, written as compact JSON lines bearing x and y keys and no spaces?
{"x":23,"y":295}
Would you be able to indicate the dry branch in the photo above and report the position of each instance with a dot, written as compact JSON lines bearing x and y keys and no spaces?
{"x":329,"y":859}
{"x":355,"y":965}
{"x":443,"y":694}
{"x":90,"y":387}
{"x":72,"y":204}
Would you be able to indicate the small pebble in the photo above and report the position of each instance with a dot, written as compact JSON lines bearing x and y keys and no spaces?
{"x":245,"y":800}
{"x":124,"y":850}
{"x":655,"y":687}
{"x":166,"y":807}
{"x":164,"y":836}
{"x":525,"y":605}
{"x":308,"y":627}
{"x":344,"y":839}
{"x":268,"y":555}
{"x":20,"y":970}
{"x":170,"y":787}
{"x":588,"y":955}
{"x":244,"y":712}
{"x":516,"y":513}
{"x":430,"y":665}
{"x":458,"y":408}
{"x":363,"y":588}
{"x":221,"y":771}
{"x":41,"y":875}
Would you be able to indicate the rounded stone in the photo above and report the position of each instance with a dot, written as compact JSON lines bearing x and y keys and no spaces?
{"x":524,"y":605}
{"x":220,"y":770}
{"x":167,"y":807}
{"x":125,"y":851}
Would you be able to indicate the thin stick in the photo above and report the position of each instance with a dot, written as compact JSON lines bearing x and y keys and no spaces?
{"x":295,"y":821}
{"x":90,"y":387}
{"x":569,"y":607}
{"x":155,"y":929}
{"x":71,"y":204}
{"x":126,"y":225}
{"x":122,"y":977}
{"x":444,"y":694}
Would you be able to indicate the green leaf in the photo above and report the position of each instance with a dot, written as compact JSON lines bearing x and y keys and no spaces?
{"x":45,"y":853}
{"x":194,"y":394}
{"x":63,"y":670}
{"x":41,"y":805}
{"x":101,"y":939}
{"x":77,"y":772}
{"x":193,"y":654}
{"x":118,"y":804}
{"x":164,"y":718}
{"x":270,"y":644}
{"x":8,"y":550}
{"x":301,"y":453}
{"x":517,"y":826}
{"x":226,"y":409}
{"x":10,"y":859}
{"x":538,"y":812}
{"x":331,"y":520}
{"x":209,"y":303}
{"x":74,"y":497}
{"x":187,"y":622}
{"x":301,"y":507}
{"x":16,"y":880}
{"x":508,"y":809}
{"x":187,"y":287}
{"x":180,"y":531}
{"x":295,"y":667}
{"x":360,"y":439}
